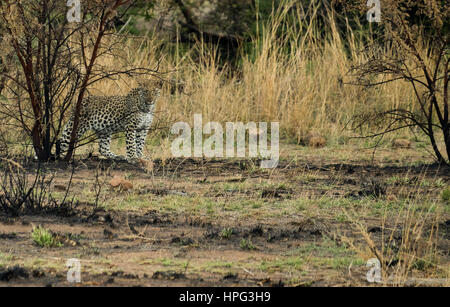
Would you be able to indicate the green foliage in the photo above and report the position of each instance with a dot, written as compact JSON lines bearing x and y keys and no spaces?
{"x":44,"y":238}
{"x":140,"y":10}
{"x":247,"y":244}
{"x":226,"y":233}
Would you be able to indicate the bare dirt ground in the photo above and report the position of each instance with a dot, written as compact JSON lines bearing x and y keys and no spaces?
{"x":198,"y":222}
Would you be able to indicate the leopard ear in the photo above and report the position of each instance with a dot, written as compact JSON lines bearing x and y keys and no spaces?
{"x":135,"y":91}
{"x":141,"y":83}
{"x":142,"y":94}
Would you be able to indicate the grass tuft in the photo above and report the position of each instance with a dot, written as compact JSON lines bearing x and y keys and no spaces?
{"x":44,"y":238}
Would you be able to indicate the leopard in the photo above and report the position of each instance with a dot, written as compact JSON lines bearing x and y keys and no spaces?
{"x":106,"y":115}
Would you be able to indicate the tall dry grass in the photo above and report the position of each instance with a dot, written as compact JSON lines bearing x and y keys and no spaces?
{"x":406,"y":243}
{"x":296,"y":79}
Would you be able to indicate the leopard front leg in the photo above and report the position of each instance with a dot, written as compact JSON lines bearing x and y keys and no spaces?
{"x":141,"y":135}
{"x":131,"y":144}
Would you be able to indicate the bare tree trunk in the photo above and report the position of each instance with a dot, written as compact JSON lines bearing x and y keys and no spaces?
{"x":107,"y":12}
{"x":446,"y":124}
{"x":48,"y":80}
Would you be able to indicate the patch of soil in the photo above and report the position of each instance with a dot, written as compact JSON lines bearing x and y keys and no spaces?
{"x":166,"y":248}
{"x":182,"y":241}
{"x":169,"y":275}
{"x":8,"y":236}
{"x":13,"y":273}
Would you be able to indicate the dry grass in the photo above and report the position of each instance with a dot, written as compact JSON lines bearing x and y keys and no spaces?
{"x":296,"y":80}
{"x":405,"y":242}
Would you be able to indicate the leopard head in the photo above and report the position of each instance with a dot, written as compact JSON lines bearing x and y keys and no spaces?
{"x":144,"y":97}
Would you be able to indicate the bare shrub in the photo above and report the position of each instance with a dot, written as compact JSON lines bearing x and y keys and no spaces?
{"x":54,"y":63}
{"x":406,"y":248}
{"x":25,"y":193}
{"x":416,"y":54}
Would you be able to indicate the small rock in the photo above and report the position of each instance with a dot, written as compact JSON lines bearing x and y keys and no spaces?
{"x":119,"y":182}
{"x":115,"y":182}
{"x":401,"y":143}
{"x":126,"y":185}
{"x":317,"y":142}
{"x":314,"y":139}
